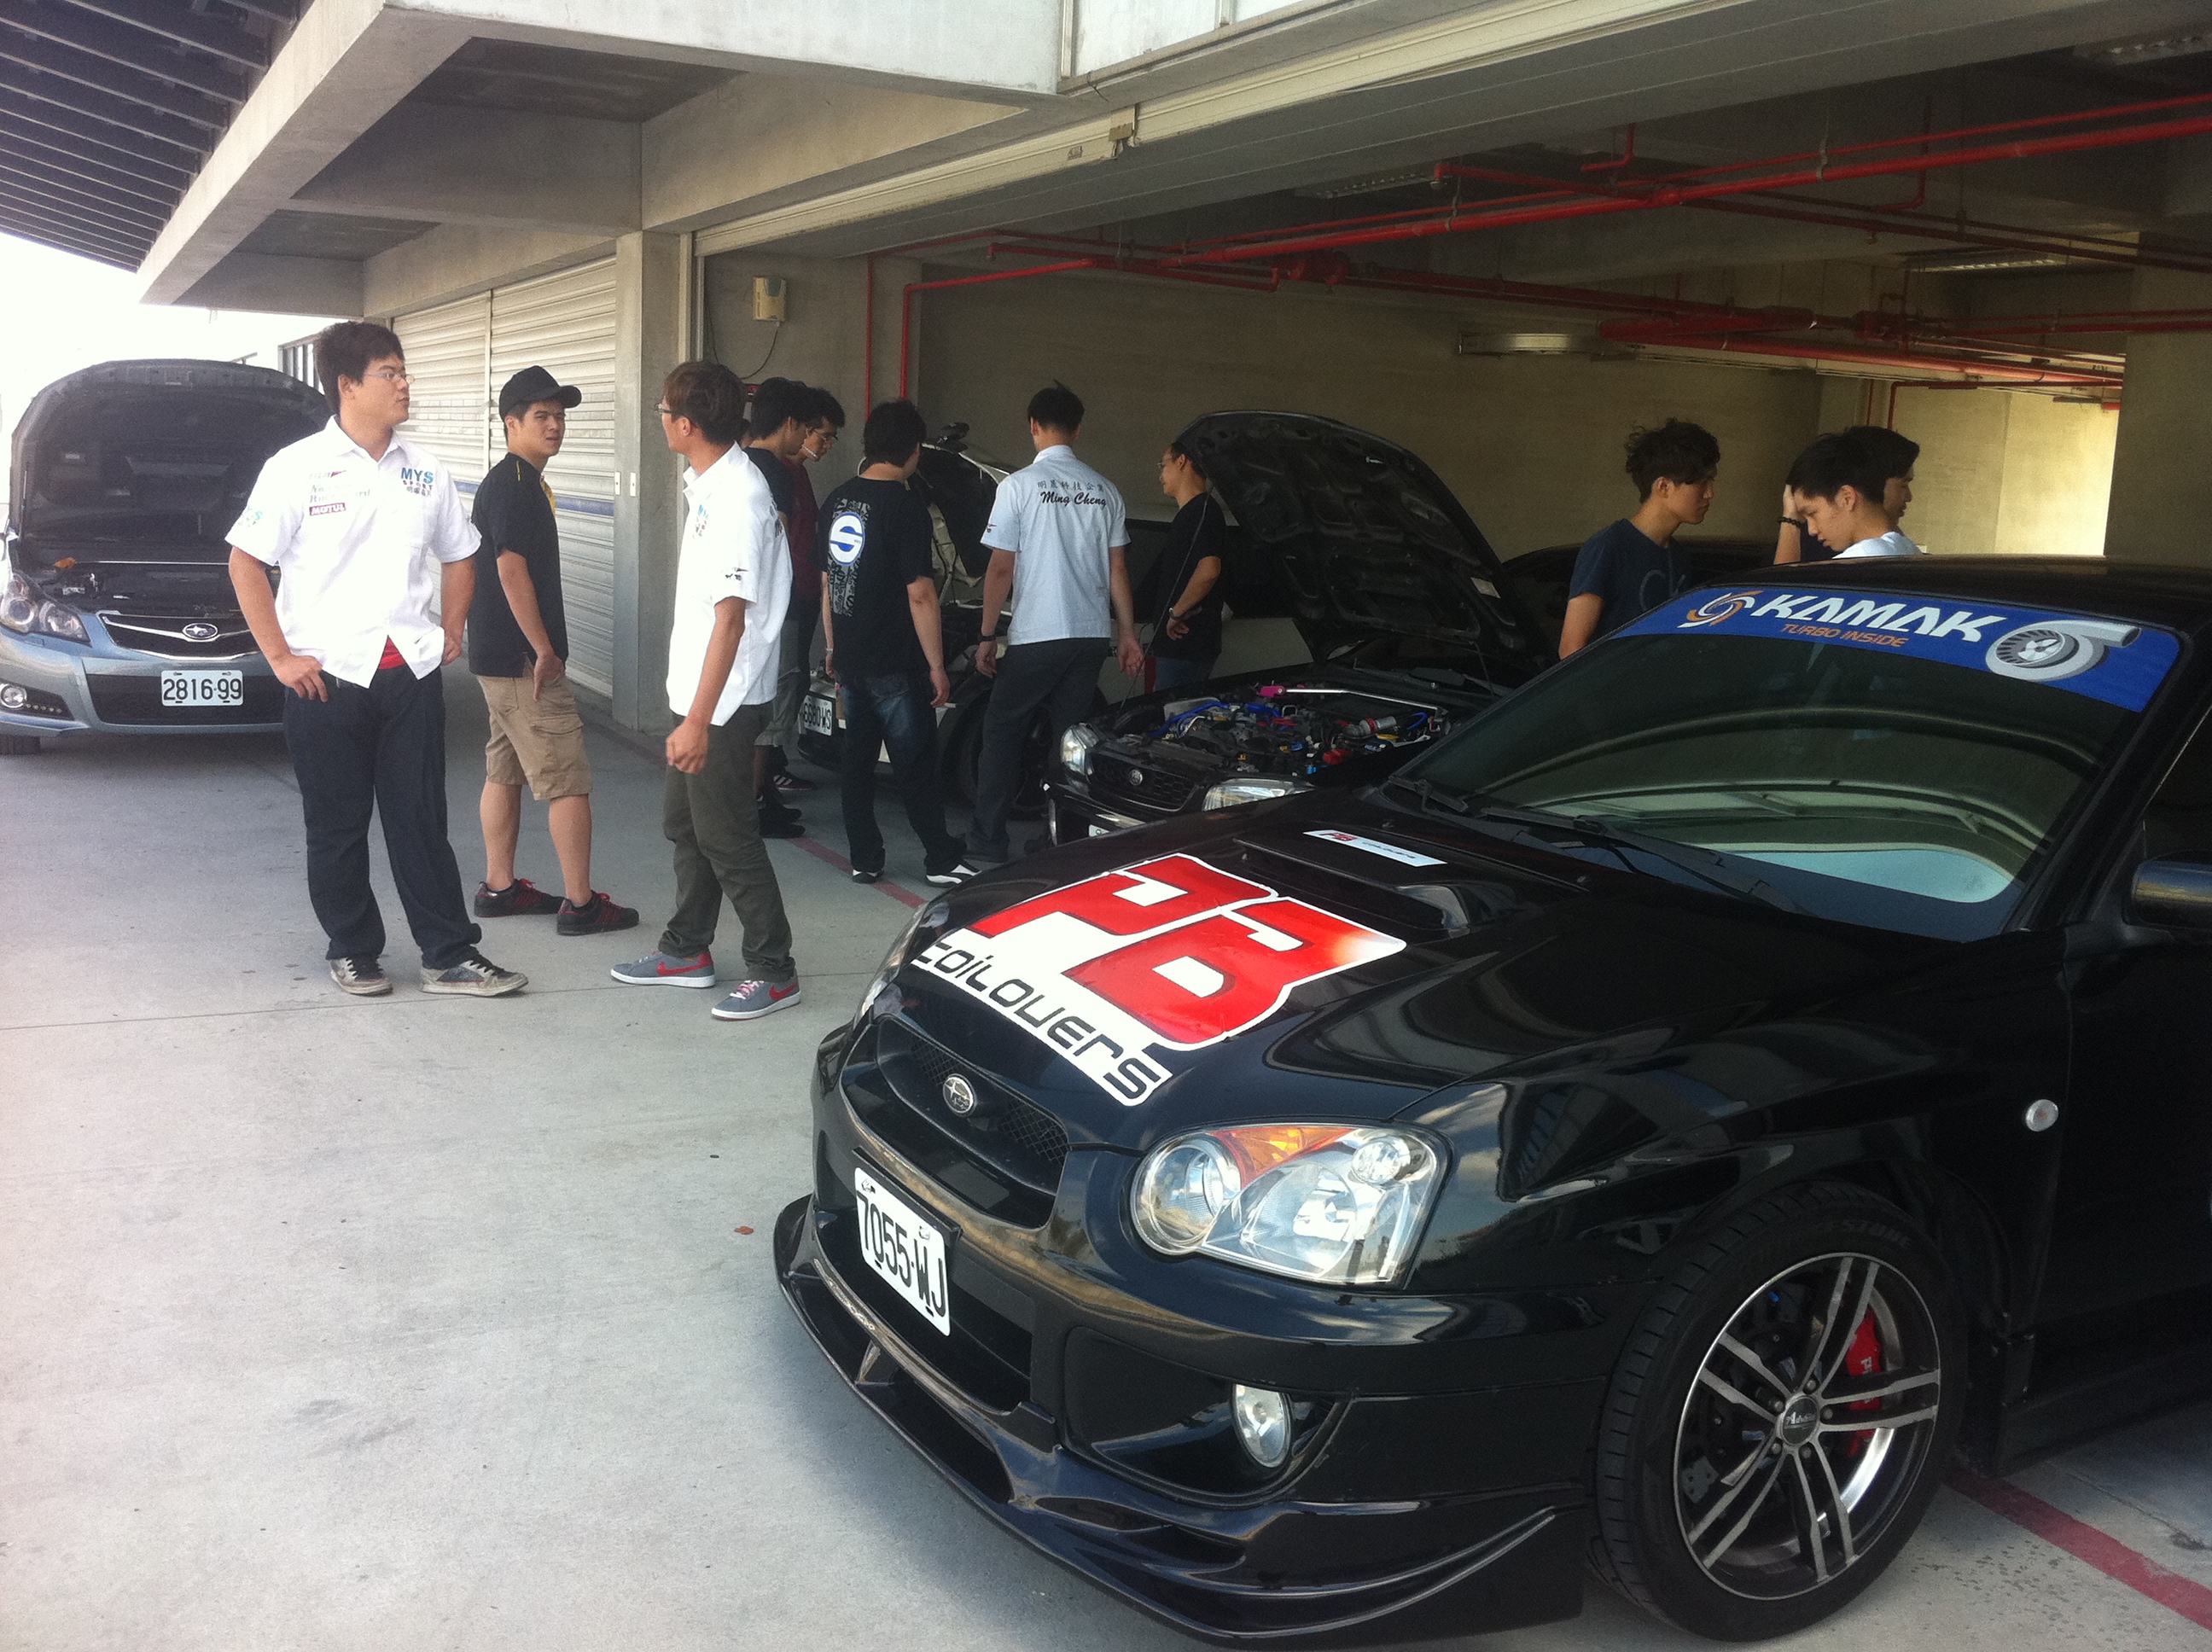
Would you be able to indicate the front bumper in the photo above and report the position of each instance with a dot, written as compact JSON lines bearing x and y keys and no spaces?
{"x":75,"y":688}
{"x":1409,"y":1507}
{"x":1073,"y":814}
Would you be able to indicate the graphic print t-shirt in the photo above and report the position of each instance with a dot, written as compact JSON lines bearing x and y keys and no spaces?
{"x":873,"y":542}
{"x":1631,"y":572}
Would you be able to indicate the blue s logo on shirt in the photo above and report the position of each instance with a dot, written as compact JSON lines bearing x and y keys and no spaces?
{"x":848,"y":536}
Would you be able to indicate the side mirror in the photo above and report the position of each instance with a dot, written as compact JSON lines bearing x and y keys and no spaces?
{"x":2177,"y":892}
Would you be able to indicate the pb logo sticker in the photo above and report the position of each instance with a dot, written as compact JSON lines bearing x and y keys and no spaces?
{"x":847,"y":535}
{"x":1171,"y":954}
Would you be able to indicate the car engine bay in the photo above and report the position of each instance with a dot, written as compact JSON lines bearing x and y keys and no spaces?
{"x":1295,"y":728}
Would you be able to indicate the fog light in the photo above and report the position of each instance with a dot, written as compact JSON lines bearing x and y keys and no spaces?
{"x":1263,"y":1423}
{"x":14,"y":696}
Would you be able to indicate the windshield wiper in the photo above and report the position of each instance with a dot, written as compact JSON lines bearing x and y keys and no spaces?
{"x":1702,"y":865}
{"x":1431,"y":795}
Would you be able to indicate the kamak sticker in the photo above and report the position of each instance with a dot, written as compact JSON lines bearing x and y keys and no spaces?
{"x":2106,"y":659}
{"x":1171,"y":954}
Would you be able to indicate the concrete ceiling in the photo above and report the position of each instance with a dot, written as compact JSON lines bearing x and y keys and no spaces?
{"x":525,"y":77}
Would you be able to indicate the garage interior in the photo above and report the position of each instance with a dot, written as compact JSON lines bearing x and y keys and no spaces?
{"x":421,"y":1328}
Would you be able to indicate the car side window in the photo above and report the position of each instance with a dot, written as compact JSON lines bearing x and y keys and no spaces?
{"x":2179,"y":819}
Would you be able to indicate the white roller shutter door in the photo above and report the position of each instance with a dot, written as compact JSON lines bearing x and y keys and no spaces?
{"x":449,"y":409}
{"x":565,"y":324}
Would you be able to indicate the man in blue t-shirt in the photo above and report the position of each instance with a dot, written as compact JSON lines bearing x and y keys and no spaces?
{"x":1633,"y":566}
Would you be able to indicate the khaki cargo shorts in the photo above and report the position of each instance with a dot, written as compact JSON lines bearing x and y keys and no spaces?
{"x":540,"y":740}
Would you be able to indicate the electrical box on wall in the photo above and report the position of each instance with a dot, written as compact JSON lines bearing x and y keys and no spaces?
{"x":768,"y":298}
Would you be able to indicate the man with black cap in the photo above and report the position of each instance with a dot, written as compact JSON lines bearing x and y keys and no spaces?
{"x":519,"y":649}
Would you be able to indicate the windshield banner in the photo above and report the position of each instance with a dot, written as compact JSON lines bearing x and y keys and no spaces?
{"x":2106,"y":659}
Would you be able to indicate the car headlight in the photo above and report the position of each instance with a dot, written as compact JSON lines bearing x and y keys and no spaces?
{"x":23,"y":609}
{"x":1250,"y":788}
{"x":1075,"y":749}
{"x":1332,"y":1203}
{"x":902,"y":951}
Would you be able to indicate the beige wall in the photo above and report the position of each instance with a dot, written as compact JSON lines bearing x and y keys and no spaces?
{"x":2007,"y":472}
{"x":1532,"y":445}
{"x":2162,"y":471}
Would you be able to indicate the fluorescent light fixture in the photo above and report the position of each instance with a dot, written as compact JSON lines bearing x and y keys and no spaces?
{"x":1375,"y":184}
{"x":2149,"y":48}
{"x":1534,"y":343}
{"x":1976,"y":263}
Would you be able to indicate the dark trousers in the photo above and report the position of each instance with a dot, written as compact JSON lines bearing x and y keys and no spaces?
{"x":381,"y":747}
{"x":1169,"y":672}
{"x":1059,"y":678}
{"x":714,"y":822}
{"x":894,"y":712}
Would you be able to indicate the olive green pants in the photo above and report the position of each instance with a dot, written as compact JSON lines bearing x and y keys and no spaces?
{"x":713,"y":820}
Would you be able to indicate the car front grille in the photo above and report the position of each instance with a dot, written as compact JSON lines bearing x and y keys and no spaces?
{"x":138,"y":700}
{"x":1118,"y":781}
{"x":164,"y":635}
{"x":1011,"y":1134}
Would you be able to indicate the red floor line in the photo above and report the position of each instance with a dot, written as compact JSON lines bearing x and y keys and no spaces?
{"x":2085,"y":1542}
{"x":882,"y":885}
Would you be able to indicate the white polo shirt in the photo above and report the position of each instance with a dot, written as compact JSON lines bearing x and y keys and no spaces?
{"x":732,"y":545}
{"x":1061,"y":519}
{"x":1892,"y":544}
{"x":359,"y":541}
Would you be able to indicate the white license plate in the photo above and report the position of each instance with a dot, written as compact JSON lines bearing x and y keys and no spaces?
{"x":203,"y":688}
{"x":819,"y":714}
{"x":905,"y":1250}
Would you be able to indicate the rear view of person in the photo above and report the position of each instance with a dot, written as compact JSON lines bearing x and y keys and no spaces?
{"x":1895,"y":456}
{"x":885,"y":643}
{"x":1633,"y":566}
{"x":519,"y":651}
{"x":776,"y":434}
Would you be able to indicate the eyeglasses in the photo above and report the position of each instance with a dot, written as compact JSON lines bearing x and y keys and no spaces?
{"x":389,"y":376}
{"x":665,"y":411}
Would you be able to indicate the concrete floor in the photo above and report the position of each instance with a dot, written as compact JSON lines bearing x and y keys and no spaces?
{"x":431,"y":1323}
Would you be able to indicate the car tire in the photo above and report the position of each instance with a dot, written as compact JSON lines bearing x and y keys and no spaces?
{"x":19,"y":746}
{"x":1730,"y":1500}
{"x":962,"y":764}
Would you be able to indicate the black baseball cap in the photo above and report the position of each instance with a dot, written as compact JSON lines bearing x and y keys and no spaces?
{"x":535,"y":385}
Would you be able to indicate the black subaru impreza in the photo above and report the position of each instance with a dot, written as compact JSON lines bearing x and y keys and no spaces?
{"x":1651,"y":1132}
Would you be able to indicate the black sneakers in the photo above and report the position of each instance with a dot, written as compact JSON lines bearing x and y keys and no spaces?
{"x":595,"y":917}
{"x":521,"y":899}
{"x":362,"y":977}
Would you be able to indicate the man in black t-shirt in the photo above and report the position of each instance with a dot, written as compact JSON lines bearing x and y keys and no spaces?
{"x":519,"y":650}
{"x":886,"y":644}
{"x":1186,"y":637}
{"x":1631,"y":566}
{"x":775,"y":432}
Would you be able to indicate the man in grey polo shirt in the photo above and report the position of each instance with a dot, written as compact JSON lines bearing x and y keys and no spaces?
{"x":1059,"y":541}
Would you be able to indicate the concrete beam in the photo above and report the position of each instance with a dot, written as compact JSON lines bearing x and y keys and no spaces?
{"x":456,"y":259}
{"x":1000,"y":51}
{"x":494,"y":167}
{"x":2161,"y":487}
{"x":279,"y":285}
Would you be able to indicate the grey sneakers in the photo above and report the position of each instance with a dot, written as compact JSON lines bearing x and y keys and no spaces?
{"x":362,"y":977}
{"x":752,"y":999}
{"x":476,"y":976}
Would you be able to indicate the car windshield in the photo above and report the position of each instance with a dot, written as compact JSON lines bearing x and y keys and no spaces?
{"x":1881,"y":774}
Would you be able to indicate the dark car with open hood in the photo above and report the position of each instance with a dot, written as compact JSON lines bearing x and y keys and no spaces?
{"x":118,"y":613}
{"x":1651,"y":1132}
{"x":1403,"y":606}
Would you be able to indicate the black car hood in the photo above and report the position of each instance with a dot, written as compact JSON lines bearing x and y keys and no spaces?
{"x":1490,"y":962}
{"x":147,"y":461}
{"x":1365,"y":541}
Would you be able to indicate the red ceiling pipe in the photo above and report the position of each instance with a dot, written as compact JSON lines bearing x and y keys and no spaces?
{"x":1625,"y":159}
{"x":1661,"y":330}
{"x":1671,"y":193}
{"x":1967,"y":233}
{"x":2007,"y":373}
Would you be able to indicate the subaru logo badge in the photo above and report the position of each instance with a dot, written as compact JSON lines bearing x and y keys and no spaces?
{"x":959,"y":1094}
{"x":201,"y":631}
{"x":1136,"y":777}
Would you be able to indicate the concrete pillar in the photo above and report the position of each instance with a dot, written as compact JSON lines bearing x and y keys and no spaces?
{"x":2162,"y":460}
{"x":651,"y":331}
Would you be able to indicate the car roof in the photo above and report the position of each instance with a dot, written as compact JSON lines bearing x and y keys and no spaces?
{"x":2174,"y":597}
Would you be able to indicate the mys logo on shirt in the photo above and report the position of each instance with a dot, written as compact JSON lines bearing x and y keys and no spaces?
{"x":416,"y":480}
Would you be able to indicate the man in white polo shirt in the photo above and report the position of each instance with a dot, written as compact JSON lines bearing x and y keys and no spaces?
{"x":1059,"y":540}
{"x":732,"y":584}
{"x":376,"y":555}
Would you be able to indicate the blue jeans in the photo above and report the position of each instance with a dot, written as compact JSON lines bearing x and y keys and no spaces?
{"x":893,"y":712}
{"x":1170,"y":673}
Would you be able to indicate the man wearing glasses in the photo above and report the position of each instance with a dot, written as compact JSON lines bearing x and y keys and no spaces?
{"x":377,"y":558}
{"x":732,"y":584}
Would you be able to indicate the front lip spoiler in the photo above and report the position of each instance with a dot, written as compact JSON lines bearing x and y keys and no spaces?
{"x":1039,"y":1491}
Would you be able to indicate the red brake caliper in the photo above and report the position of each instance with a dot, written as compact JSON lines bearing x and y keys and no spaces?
{"x":1863,"y":1358}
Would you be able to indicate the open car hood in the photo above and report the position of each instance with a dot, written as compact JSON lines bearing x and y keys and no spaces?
{"x":148,"y":461}
{"x":1364,"y":541}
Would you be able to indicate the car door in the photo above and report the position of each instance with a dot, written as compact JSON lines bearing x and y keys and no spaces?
{"x":2132,"y":1219}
